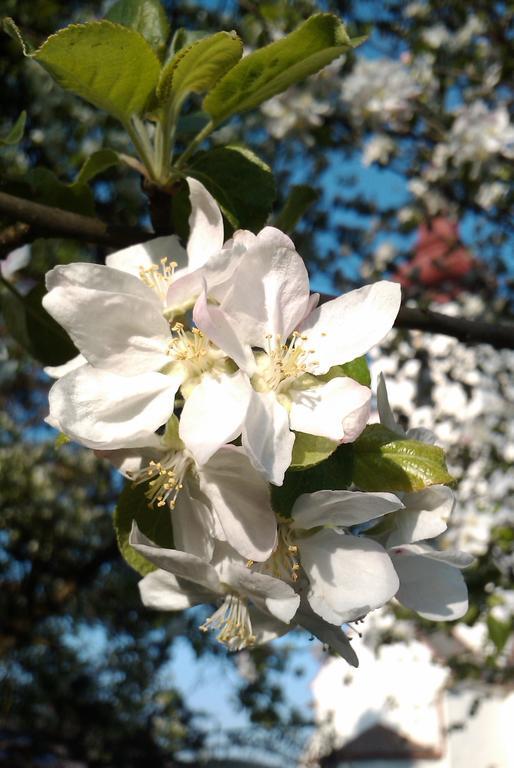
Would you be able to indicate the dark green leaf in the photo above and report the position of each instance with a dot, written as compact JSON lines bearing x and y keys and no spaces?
{"x":147,"y":17}
{"x":309,"y":450}
{"x":15,"y":135}
{"x":153,"y":522}
{"x":274,"y":68}
{"x":499,"y":631}
{"x":33,"y":328}
{"x":240,"y":181}
{"x":299,"y":200}
{"x":48,"y":189}
{"x":198,"y":68}
{"x":385,"y":462}
{"x":335,"y":473}
{"x":95,"y":164}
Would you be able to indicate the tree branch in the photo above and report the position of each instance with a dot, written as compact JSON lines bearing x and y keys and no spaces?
{"x":54,"y":222}
{"x":498,"y":335}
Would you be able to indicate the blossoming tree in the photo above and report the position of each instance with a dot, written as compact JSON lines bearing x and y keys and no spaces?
{"x":193,"y":357}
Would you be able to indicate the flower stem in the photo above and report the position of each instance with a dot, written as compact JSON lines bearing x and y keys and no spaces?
{"x":206,"y":131}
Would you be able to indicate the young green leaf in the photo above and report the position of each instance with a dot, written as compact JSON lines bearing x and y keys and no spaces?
{"x":356,"y":369}
{"x":240,"y":181}
{"x":147,"y":17}
{"x":274,"y":68}
{"x":95,"y":164}
{"x":383,"y":461}
{"x":301,"y":197}
{"x":15,"y":135}
{"x":48,"y":189}
{"x":197,"y":68}
{"x":309,"y":450}
{"x":109,"y":65}
{"x":153,"y":522}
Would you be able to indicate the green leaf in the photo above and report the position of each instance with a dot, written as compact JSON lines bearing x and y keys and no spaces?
{"x":153,"y":522}
{"x":147,"y":17}
{"x":48,"y":189}
{"x":356,"y":369}
{"x":95,"y":164}
{"x":309,"y":450}
{"x":15,"y":135}
{"x":385,"y":462}
{"x":301,"y":197}
{"x":240,"y":181}
{"x":335,"y":473}
{"x":274,"y":68}
{"x":33,"y":328}
{"x":499,"y":631}
{"x":198,"y":68}
{"x":109,"y":65}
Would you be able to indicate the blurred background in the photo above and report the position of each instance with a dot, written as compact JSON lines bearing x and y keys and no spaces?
{"x":403,"y":153}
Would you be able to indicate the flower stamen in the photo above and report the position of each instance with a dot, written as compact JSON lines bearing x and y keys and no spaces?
{"x":166,"y":480}
{"x":159,"y":277}
{"x":233,"y":620}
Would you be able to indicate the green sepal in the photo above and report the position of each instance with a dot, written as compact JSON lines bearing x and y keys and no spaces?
{"x":154,"y":522}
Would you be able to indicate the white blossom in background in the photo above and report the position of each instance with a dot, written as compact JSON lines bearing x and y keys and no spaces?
{"x":381,"y":90}
{"x":379,"y":149}
{"x":477,"y":135}
{"x":304,"y":106}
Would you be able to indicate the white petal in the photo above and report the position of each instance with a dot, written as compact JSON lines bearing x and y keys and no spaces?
{"x":269,"y":293}
{"x":278,"y":597}
{"x":214,"y":413}
{"x":265,"y":627}
{"x":97,"y":277}
{"x":330,"y":634}
{"x":58,"y":371}
{"x":240,"y":497}
{"x":102,"y":410}
{"x":453,"y":557}
{"x":433,"y":589}
{"x":164,"y":592}
{"x":267,"y":438}
{"x":217,"y":327}
{"x":205,"y":225}
{"x":180,"y":564}
{"x":145,"y":255}
{"x":121,"y":332}
{"x":193,"y":525}
{"x":424,"y":517}
{"x":384,"y":409}
{"x":347,"y":327}
{"x":128,"y":461}
{"x":349,"y":575}
{"x":344,"y":508}
{"x":338,"y":409}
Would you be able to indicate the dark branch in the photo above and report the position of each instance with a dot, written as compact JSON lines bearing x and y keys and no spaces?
{"x":498,"y":335}
{"x":54,"y":222}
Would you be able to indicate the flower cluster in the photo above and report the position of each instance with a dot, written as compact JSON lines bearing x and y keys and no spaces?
{"x":198,"y":367}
